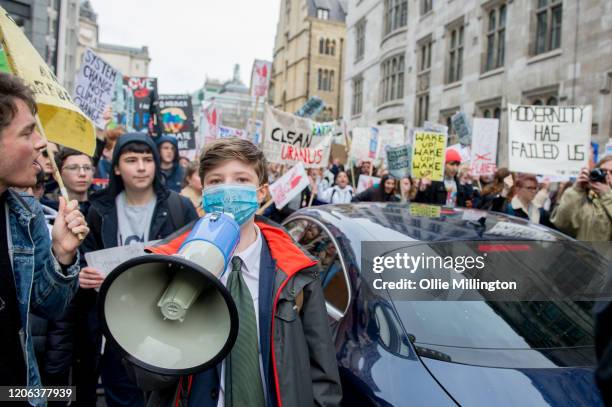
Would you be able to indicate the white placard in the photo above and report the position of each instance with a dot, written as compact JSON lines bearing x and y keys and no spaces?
{"x":549,"y":140}
{"x":484,"y":146}
{"x":107,"y":260}
{"x":290,"y":185}
{"x":94,"y":86}
{"x":365,"y":182}
{"x":289,"y":139}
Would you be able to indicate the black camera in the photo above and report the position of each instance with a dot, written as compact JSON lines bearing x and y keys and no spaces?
{"x":597,"y":175}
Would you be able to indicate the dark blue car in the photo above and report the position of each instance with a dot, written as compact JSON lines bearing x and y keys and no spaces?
{"x":398,"y":352}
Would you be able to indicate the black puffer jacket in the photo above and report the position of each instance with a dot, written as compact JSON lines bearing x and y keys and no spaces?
{"x":53,"y":344}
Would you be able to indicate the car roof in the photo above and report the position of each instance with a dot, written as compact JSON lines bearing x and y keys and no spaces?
{"x":412,"y":221}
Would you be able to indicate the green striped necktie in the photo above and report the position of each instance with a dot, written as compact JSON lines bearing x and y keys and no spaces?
{"x":243,"y":385}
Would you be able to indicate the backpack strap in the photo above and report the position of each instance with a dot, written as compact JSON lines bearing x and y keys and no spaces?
{"x":175,"y":206}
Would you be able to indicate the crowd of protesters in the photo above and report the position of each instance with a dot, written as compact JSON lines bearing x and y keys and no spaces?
{"x":137,"y":189}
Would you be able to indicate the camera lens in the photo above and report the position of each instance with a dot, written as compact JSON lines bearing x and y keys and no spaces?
{"x":597,"y":175}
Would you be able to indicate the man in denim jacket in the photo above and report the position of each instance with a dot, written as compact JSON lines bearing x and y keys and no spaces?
{"x":36,"y":274}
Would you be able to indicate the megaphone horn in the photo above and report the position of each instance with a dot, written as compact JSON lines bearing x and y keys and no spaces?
{"x":170,"y":314}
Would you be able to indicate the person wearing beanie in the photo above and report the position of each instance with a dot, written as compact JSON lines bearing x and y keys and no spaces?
{"x":449,"y":192}
{"x":135,"y":208}
{"x":171,"y":169}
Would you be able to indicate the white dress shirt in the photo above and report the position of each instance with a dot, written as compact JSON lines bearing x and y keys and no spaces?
{"x":250,"y":257}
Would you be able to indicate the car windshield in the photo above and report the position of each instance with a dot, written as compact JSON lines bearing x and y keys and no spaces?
{"x":559,"y":284}
{"x":499,"y":325}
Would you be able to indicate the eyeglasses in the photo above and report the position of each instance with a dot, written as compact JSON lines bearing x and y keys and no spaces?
{"x":77,"y":168}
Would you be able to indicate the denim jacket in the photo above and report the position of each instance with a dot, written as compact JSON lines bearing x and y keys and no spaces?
{"x":43,"y":286}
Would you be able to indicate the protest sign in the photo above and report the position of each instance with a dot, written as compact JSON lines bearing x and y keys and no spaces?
{"x":428,"y":151}
{"x":462,"y":128}
{"x":398,"y":161}
{"x":290,"y":185}
{"x":210,"y":120}
{"x":552,"y":178}
{"x":549,"y":140}
{"x":364,"y":143}
{"x":484,"y":146}
{"x":464,"y":151}
{"x":312,"y":107}
{"x":139,"y":94}
{"x":608,"y":150}
{"x":338,"y":151}
{"x":289,"y":139}
{"x":63,"y":121}
{"x":227,"y":132}
{"x":176,"y":114}
{"x":390,"y":135}
{"x":366,"y":181}
{"x":595,"y":152}
{"x":260,"y":78}
{"x":95,"y":85}
{"x":107,"y":260}
{"x":425,"y":211}
{"x":256,"y":136}
{"x":435,"y":127}
{"x":323,"y":129}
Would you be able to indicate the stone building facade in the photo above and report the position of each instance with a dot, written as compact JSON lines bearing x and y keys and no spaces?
{"x":408,"y":61}
{"x":308,"y":55}
{"x":232,"y":97}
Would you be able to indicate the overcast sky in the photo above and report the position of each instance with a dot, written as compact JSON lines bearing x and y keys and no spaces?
{"x":189,"y":40}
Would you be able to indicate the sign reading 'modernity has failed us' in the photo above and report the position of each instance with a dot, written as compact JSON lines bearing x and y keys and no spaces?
{"x":549,"y":140}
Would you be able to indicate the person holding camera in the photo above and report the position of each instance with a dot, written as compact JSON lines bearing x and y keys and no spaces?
{"x":585,"y":210}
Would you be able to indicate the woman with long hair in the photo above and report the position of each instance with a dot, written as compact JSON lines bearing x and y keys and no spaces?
{"x":384,"y":192}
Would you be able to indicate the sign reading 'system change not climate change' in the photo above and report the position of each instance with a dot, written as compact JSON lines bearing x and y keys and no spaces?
{"x":549,"y":140}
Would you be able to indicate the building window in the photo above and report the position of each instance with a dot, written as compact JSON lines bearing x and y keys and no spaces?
{"x":547,"y":96}
{"x":325,"y":80}
{"x":357,"y":105}
{"x":496,"y":38}
{"x":327,"y":46}
{"x":392,"y":78}
{"x":455,"y":55}
{"x":425,"y":55}
{"x":549,"y":15}
{"x":332,"y":48}
{"x":396,"y":15}
{"x":426,"y":6}
{"x":491,"y":113}
{"x":321,"y":46}
{"x":323,"y":14}
{"x":545,"y":101}
{"x":360,"y":39}
{"x":422,"y":109}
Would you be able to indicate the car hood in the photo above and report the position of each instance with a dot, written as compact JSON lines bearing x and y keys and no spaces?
{"x":489,"y":386}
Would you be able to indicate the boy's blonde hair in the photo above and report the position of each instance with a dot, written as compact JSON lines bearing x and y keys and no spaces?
{"x":222,"y":150}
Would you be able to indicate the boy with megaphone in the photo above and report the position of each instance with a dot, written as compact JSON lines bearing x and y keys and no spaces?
{"x":283,"y":354}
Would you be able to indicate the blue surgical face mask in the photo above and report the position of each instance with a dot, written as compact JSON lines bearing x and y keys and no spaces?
{"x":240,"y":201}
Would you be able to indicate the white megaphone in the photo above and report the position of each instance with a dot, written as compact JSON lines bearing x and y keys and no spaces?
{"x":170,"y":314}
